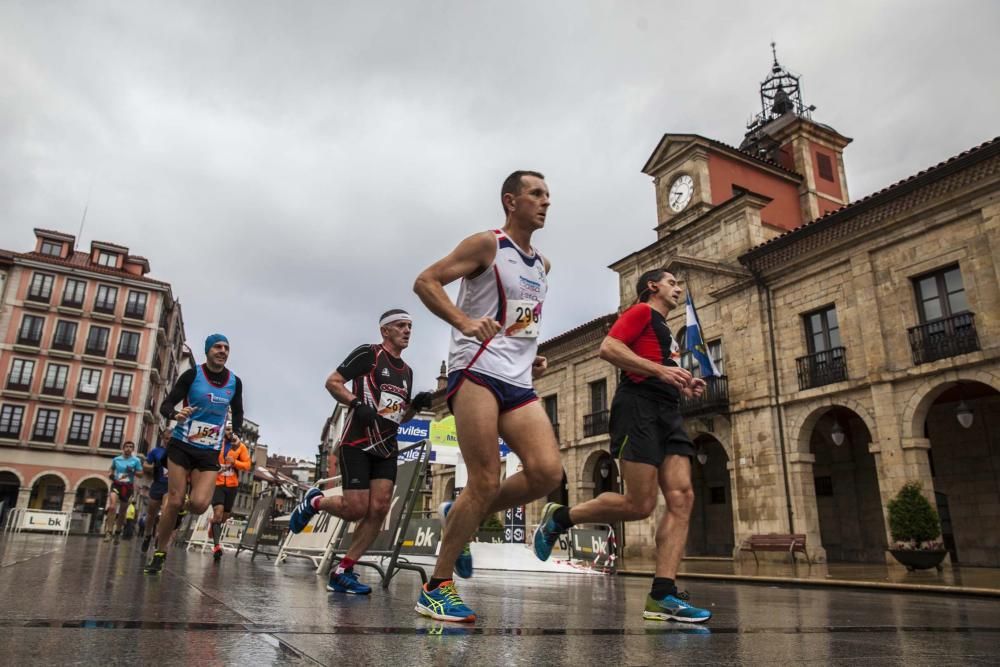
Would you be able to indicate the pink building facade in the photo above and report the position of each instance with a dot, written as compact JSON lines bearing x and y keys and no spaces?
{"x":89,"y":346}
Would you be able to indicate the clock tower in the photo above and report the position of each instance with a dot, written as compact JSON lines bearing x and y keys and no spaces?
{"x":788,"y":166}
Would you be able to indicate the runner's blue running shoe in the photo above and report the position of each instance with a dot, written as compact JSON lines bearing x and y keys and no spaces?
{"x":674,"y":608}
{"x":443,"y":604}
{"x":304,"y":511}
{"x":346,"y":582}
{"x":547,"y":532}
{"x":463,"y":565}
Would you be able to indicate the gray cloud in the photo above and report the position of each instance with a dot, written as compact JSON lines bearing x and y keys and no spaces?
{"x":290,"y":168}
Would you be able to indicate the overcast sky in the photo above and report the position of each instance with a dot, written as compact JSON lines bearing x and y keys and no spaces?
{"x":290,"y":167}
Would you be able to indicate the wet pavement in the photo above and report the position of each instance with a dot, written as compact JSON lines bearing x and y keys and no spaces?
{"x":81,"y":601}
{"x":951,"y":579}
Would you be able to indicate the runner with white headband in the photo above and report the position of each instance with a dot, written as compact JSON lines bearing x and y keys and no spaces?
{"x":380,"y":401}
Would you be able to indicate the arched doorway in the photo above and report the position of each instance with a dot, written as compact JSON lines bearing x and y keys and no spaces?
{"x":47,"y":493}
{"x":561,"y":493}
{"x":962,"y":425}
{"x":10,"y":484}
{"x":91,"y":498}
{"x":605,"y":474}
{"x":848,"y":502}
{"x":711,"y":527}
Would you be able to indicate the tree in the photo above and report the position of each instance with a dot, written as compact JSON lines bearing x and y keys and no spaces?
{"x":911,"y":517}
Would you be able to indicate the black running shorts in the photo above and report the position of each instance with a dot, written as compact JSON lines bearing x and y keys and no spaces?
{"x":358,"y":468}
{"x":190,"y":457}
{"x":644,"y":429}
{"x":225,"y":496}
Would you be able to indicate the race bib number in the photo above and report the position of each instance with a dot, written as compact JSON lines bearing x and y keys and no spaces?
{"x":391,"y":407}
{"x":203,"y":433}
{"x":523,"y":318}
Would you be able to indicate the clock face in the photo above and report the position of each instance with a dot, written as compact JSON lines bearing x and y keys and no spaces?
{"x":680,"y":193}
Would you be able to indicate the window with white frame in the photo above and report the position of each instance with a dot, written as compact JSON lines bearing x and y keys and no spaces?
{"x":30,"y":332}
{"x":74,"y":292}
{"x":40,"y":288}
{"x":11,"y":417}
{"x":65,"y":336}
{"x":51,"y":248}
{"x":90,"y":383}
{"x":121,"y":388}
{"x":128,"y":346}
{"x":55,"y":379}
{"x":108,"y":259}
{"x":21,"y":371}
{"x":112,"y":435}
{"x":107,"y":297}
{"x":80,"y":428}
{"x":46,"y":423}
{"x":135,"y":306}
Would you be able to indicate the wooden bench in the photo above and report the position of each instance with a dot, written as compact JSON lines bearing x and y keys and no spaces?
{"x":776,"y":542}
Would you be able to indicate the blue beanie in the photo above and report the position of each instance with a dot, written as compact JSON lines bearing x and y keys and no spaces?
{"x":213,"y":339}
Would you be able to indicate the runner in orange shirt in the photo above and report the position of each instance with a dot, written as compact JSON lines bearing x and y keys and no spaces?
{"x":233,"y":456}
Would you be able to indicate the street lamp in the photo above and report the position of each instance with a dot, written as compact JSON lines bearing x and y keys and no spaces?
{"x":837,"y":434}
{"x":702,"y":456}
{"x":964,"y":414}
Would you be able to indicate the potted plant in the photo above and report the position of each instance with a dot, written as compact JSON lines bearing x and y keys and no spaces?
{"x":915,"y":530}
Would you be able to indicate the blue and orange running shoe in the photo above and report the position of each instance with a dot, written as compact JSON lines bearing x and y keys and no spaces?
{"x":304,"y":511}
{"x":444,"y":604}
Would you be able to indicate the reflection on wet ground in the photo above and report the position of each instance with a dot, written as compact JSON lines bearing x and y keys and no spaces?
{"x":80,"y":601}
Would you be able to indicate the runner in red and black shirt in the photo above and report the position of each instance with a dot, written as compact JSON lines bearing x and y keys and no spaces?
{"x":648,"y":439}
{"x":381,"y":386}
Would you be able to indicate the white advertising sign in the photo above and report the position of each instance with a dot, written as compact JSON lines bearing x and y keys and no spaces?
{"x":42,"y":520}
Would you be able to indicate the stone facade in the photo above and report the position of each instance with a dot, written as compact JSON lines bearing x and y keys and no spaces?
{"x":755,"y":281}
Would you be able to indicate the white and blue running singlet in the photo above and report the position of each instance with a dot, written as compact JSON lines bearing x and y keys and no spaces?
{"x":205,"y":426}
{"x":511,"y":291}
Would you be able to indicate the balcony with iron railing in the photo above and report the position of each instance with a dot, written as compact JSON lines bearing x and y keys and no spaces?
{"x":714,"y":400}
{"x":596,"y":423}
{"x":29,"y":337}
{"x":821,"y":368}
{"x":105,"y":306}
{"x":95,"y":348}
{"x":943,"y":338}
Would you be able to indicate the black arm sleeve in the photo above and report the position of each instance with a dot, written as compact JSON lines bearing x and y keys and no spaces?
{"x":178,"y":393}
{"x":359,"y":362}
{"x":236,"y":405}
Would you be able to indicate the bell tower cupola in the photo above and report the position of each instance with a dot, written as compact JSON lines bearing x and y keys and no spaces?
{"x":784,"y":132}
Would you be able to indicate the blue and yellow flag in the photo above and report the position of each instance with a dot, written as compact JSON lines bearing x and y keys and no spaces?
{"x":695,"y":342}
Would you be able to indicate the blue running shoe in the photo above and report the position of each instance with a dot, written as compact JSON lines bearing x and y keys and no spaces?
{"x":346,"y":582}
{"x":674,"y":608}
{"x":547,"y":532}
{"x":463,"y":565}
{"x":304,"y":511}
{"x":443,"y":604}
